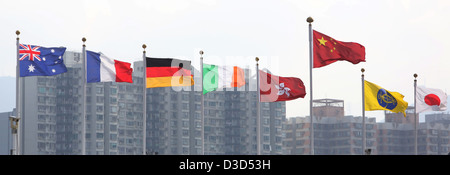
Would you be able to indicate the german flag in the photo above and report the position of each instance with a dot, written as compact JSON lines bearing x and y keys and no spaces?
{"x":168,"y":72}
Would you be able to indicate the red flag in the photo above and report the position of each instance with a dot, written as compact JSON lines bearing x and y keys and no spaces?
{"x":328,"y":50}
{"x":274,"y":88}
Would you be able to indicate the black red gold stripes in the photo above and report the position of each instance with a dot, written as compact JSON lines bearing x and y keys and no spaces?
{"x":167,"y":72}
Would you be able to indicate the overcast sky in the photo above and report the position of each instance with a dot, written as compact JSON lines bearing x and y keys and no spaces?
{"x":401,"y":38}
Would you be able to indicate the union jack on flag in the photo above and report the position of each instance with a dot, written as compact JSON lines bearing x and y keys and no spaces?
{"x":30,"y":52}
{"x":41,"y":61}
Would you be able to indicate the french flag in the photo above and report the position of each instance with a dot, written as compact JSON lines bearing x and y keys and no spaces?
{"x":100,"y":68}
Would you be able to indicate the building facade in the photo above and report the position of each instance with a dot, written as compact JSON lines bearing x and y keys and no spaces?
{"x":52,"y":119}
{"x":53,"y":106}
{"x":174,"y":120}
{"x":6,"y":140}
{"x":334,"y":133}
{"x":396,"y":135}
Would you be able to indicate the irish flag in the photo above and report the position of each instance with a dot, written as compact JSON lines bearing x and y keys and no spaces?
{"x":100,"y":68}
{"x":215,"y":77}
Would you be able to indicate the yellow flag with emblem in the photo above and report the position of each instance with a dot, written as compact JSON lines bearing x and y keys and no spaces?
{"x":377,"y":98}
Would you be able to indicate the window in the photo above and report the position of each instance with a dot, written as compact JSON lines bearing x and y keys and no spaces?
{"x":113,"y":100}
{"x":185,"y":124}
{"x":99,"y":108}
{"x":113,"y":136}
{"x":113,"y":127}
{"x":185,"y":97}
{"x":99,"y":117}
{"x":113,"y":145}
{"x":113,"y":109}
{"x":99,"y":135}
{"x":42,"y":108}
{"x":41,"y":90}
{"x":266,"y":147}
{"x":100,"y":99}
{"x":434,"y":132}
{"x":173,"y":124}
{"x":174,"y":97}
{"x":266,"y":138}
{"x":113,"y":91}
{"x":99,"y":90}
{"x":100,"y":145}
{"x":99,"y":126}
{"x":41,"y":99}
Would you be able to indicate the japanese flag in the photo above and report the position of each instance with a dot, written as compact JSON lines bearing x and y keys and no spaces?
{"x":430,"y":99}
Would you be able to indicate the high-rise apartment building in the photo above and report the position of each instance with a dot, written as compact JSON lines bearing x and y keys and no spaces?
{"x":51,"y":122}
{"x":6,"y":140}
{"x":396,"y":135}
{"x":334,"y":133}
{"x":52,"y":119}
{"x":174,"y":120}
{"x":434,"y":135}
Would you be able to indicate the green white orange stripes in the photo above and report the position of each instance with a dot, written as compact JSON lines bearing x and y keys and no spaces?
{"x":215,"y":77}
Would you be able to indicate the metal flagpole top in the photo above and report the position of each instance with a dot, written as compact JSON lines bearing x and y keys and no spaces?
{"x":144,"y":46}
{"x":310,"y":20}
{"x":415,"y":76}
{"x":84,"y":40}
{"x":201,"y":52}
{"x":17,"y":33}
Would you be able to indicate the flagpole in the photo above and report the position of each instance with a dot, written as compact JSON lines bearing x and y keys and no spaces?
{"x":144,"y":119}
{"x":258,"y":111}
{"x":363,"y":114}
{"x":415,"y":115}
{"x":18,"y":94}
{"x":202,"y":104}
{"x":83,"y":115}
{"x":311,"y":49}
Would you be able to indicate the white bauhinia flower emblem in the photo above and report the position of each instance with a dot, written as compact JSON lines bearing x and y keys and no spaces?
{"x":31,"y":68}
{"x":282,"y":90}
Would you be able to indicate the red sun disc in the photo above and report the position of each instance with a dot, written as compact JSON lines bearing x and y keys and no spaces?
{"x":432,"y":99}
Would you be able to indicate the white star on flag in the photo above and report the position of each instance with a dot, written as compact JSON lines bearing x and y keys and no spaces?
{"x":53,"y":70}
{"x":31,"y":68}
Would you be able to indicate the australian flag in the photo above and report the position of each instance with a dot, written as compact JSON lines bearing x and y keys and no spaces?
{"x":41,"y":61}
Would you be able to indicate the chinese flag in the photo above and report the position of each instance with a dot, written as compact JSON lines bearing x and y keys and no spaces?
{"x":328,"y":50}
{"x":274,"y":88}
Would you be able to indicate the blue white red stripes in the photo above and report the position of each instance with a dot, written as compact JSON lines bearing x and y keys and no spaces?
{"x":100,"y":68}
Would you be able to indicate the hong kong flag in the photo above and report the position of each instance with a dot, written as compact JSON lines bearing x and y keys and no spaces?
{"x":274,"y":88}
{"x":430,"y":99}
